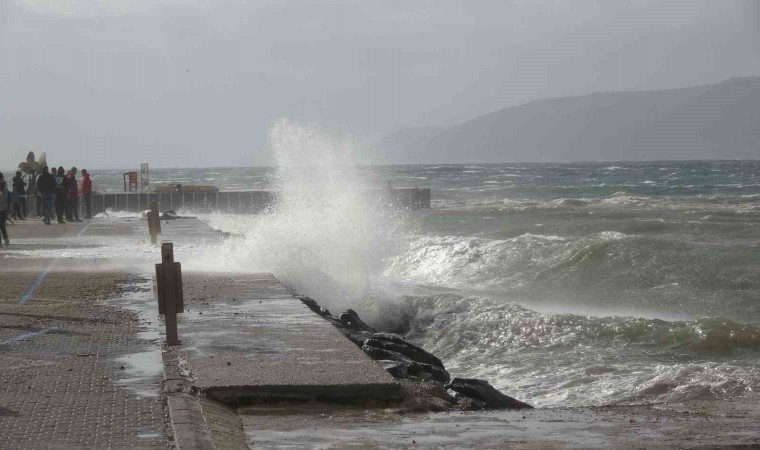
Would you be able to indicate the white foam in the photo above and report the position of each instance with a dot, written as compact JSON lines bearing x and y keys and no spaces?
{"x":327,"y":237}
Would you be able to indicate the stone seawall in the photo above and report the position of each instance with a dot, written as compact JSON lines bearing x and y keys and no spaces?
{"x":236,"y":202}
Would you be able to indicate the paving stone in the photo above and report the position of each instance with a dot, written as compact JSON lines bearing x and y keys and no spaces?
{"x":60,"y":380}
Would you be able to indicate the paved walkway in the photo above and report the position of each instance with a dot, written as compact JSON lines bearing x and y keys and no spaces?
{"x":80,"y":343}
{"x":64,"y":379}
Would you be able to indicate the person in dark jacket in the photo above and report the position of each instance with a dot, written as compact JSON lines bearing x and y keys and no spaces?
{"x":61,"y":192}
{"x":5,"y":205}
{"x":45,"y":185}
{"x":19,"y":191}
{"x":87,"y":193}
{"x":73,"y":200}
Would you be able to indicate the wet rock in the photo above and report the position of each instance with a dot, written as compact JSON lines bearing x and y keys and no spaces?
{"x":357,"y":337}
{"x":351,"y":320}
{"x":426,"y":371}
{"x":417,"y":362}
{"x":482,"y":391}
{"x":425,"y":396}
{"x":398,"y":369}
{"x":470,"y":404}
{"x":394,"y":343}
{"x":314,"y":306}
{"x":405,"y":367}
{"x":406,"y":361}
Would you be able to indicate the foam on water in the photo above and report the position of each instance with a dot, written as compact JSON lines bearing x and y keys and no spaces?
{"x":576,"y":284}
{"x":567,"y":359}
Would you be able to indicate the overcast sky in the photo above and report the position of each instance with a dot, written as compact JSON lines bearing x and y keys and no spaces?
{"x":111,"y":83}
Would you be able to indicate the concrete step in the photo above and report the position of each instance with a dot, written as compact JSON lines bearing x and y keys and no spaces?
{"x":245,"y":338}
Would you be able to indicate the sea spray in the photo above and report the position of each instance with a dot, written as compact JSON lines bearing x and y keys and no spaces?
{"x":328,"y":234}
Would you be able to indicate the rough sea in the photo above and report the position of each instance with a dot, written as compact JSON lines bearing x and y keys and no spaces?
{"x":562,"y":284}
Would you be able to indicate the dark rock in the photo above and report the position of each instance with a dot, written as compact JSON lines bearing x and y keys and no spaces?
{"x":426,"y":371}
{"x":351,"y":320}
{"x":314,"y":306}
{"x":357,"y":337}
{"x":406,"y":361}
{"x":398,"y":369}
{"x":424,"y":396}
{"x":470,"y":404}
{"x":395,"y":343}
{"x":482,"y":391}
{"x":411,"y":367}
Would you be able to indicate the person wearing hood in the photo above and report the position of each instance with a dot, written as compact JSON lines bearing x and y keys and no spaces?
{"x":61,"y":192}
{"x":19,"y":191}
{"x":87,"y":193}
{"x":4,"y":207}
{"x":72,"y":204}
{"x":45,"y":185}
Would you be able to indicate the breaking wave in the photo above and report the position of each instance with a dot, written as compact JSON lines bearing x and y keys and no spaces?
{"x":558,"y":291}
{"x":572,"y":359}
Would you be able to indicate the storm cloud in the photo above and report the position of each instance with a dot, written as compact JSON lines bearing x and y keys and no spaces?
{"x":182,"y":83}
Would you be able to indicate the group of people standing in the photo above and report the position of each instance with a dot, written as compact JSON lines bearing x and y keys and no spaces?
{"x":59,"y":191}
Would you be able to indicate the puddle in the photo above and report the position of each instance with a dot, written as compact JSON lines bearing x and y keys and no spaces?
{"x":149,"y":433}
{"x":143,"y":370}
{"x":142,"y":373}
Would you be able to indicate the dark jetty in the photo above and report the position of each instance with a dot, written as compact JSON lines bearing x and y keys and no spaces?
{"x":406,"y":361}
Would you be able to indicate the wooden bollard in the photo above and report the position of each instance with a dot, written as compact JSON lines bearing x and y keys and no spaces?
{"x":169,"y":284}
{"x":154,"y":222}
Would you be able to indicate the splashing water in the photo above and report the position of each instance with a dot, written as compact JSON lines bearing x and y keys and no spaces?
{"x":327,"y":235}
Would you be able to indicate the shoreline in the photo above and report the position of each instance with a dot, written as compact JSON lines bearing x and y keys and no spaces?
{"x":722,"y":424}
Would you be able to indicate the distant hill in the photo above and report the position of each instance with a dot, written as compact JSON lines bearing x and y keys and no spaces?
{"x":718,"y":121}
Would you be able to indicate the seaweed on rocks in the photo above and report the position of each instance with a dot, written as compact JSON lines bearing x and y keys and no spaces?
{"x":412,"y":364}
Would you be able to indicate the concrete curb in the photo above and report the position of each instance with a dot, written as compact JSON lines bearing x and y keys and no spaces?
{"x":197,"y":423}
{"x":185,"y":413}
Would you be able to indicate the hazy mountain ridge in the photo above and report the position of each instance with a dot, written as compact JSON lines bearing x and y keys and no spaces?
{"x":718,"y":121}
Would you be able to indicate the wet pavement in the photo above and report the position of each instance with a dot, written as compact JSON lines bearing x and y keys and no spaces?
{"x":61,"y":377}
{"x":246,"y":338}
{"x":82,"y":360}
{"x":80,"y":354}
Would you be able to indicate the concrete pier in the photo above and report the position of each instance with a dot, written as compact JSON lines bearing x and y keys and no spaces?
{"x":246,"y":339}
{"x":237,"y":202}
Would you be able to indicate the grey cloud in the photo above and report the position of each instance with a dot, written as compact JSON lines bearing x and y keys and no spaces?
{"x":202,"y":82}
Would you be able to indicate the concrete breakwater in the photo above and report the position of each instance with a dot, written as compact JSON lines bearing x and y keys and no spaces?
{"x":238,"y":202}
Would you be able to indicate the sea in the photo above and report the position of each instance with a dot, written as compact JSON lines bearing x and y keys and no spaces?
{"x":562,"y":284}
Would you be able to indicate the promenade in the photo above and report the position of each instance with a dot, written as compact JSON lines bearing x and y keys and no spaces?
{"x":83,"y":361}
{"x":65,"y":379}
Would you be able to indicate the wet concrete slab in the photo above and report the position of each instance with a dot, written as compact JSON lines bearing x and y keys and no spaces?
{"x":256,"y":342}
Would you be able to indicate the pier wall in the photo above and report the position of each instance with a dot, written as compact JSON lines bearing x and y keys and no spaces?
{"x":235,"y":202}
